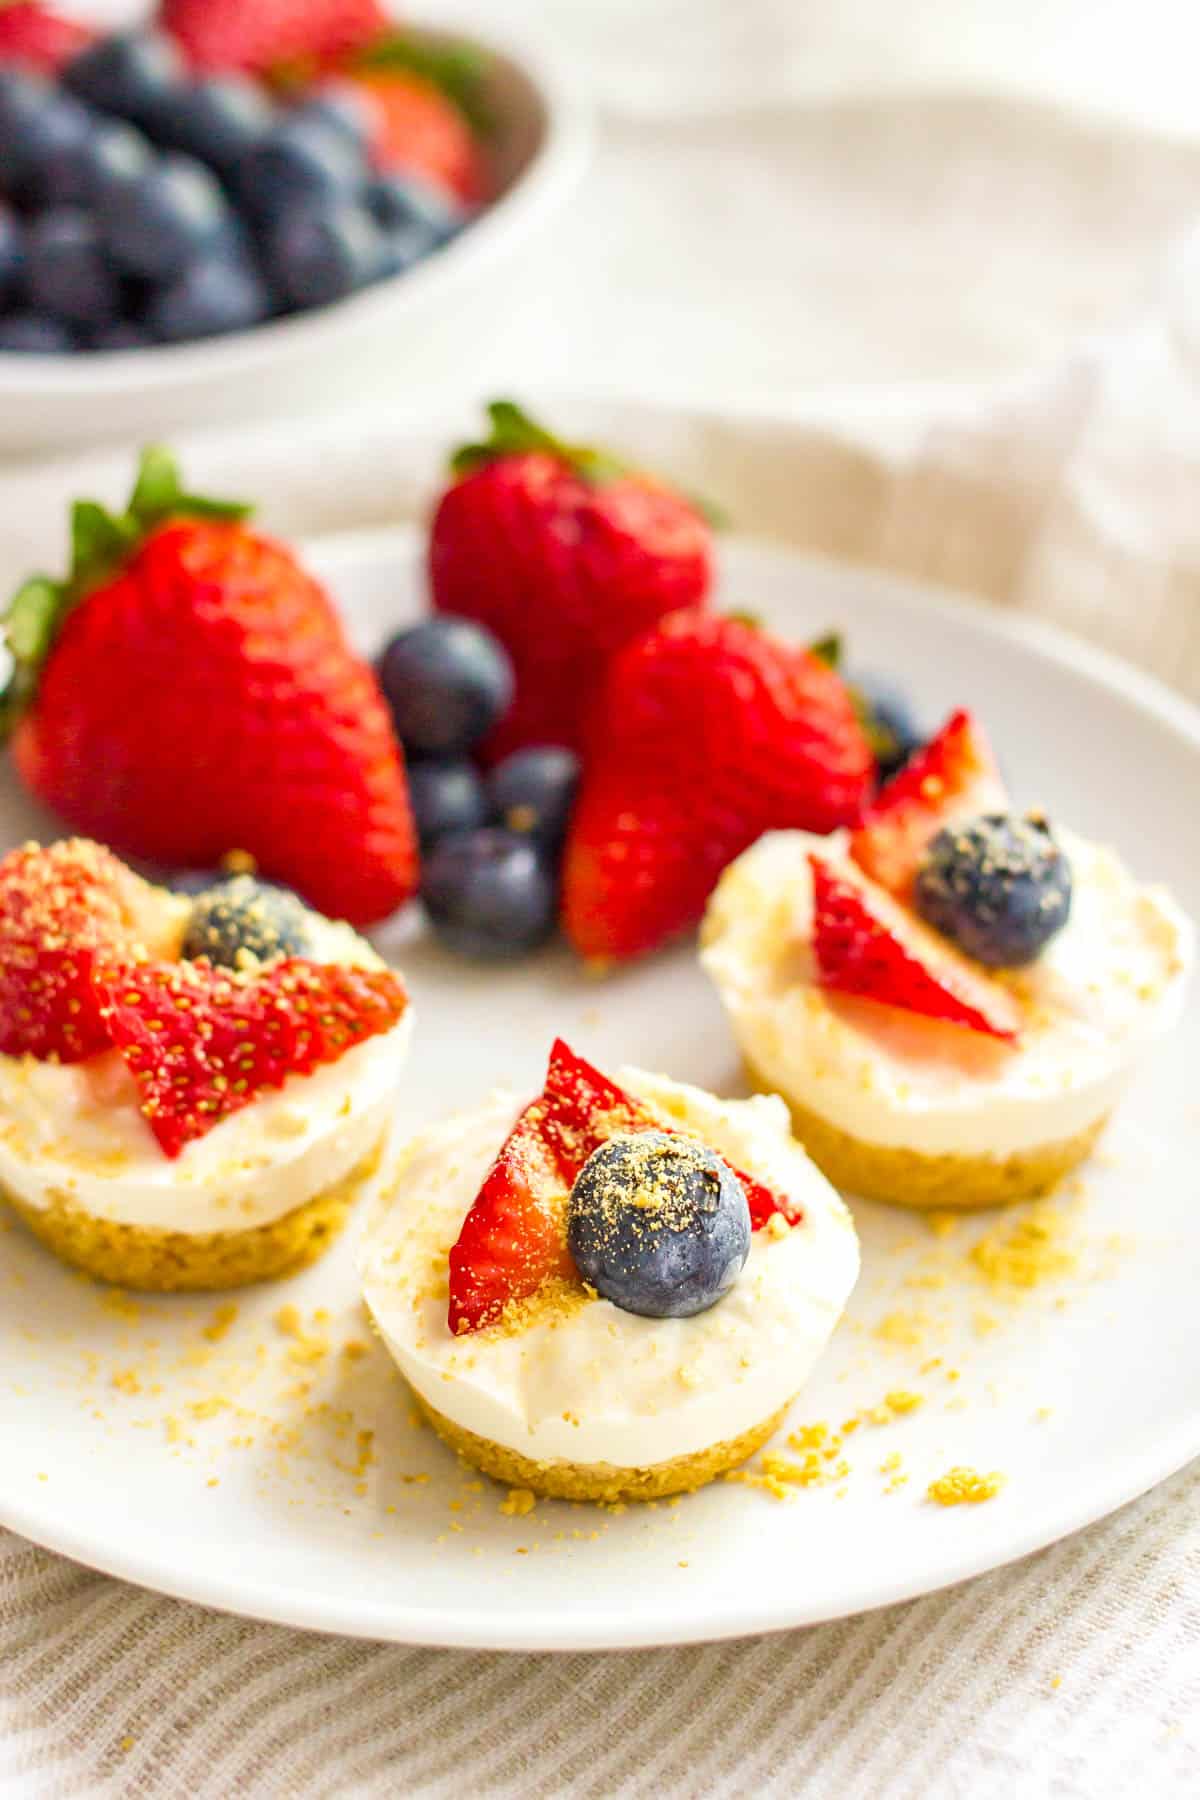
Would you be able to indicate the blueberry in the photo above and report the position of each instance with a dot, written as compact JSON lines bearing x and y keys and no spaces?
{"x":489,"y":893}
{"x":447,"y":795}
{"x":68,"y":274}
{"x":12,"y":257}
{"x":55,"y":155}
{"x":319,"y":253}
{"x":24,"y":100}
{"x":889,"y":722}
{"x":339,"y":107}
{"x":658,"y":1225}
{"x":220,"y":120}
{"x":534,"y":790}
{"x":135,"y":74}
{"x":241,"y":918}
{"x":447,"y":682}
{"x":402,"y":202}
{"x":122,"y":334}
{"x":299,"y":161}
{"x":999,"y":886}
{"x":219,"y":293}
{"x":113,"y":156}
{"x":33,"y":334}
{"x":157,"y":224}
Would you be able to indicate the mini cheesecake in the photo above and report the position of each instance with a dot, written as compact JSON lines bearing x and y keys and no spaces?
{"x":562,"y":1317}
{"x":944,"y":1080}
{"x":193,"y":1090}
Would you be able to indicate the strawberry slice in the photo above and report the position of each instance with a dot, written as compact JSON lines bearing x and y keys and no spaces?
{"x":954,"y":777}
{"x":867,"y":945}
{"x":202,"y":1043}
{"x":59,"y":906}
{"x":514,"y":1238}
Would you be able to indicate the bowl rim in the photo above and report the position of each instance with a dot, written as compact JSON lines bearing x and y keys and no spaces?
{"x":552,"y":169}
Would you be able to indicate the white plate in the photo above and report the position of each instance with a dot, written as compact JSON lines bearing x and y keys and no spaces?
{"x":1083,"y":1392}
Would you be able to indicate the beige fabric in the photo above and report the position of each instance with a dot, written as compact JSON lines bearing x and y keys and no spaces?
{"x":753,"y":256}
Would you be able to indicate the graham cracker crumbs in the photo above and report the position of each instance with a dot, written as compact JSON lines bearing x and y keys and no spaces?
{"x":354,"y":1350}
{"x":906,"y":1329}
{"x":555,"y":1301}
{"x":121,"y":1306}
{"x":208,"y":1409}
{"x":1027,"y":1253}
{"x":962,"y":1486}
{"x":901,"y":1400}
{"x":223,"y":1318}
{"x":517,"y":1503}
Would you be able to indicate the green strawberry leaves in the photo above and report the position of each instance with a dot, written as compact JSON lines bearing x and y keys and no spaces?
{"x":100,"y":542}
{"x":515,"y":433}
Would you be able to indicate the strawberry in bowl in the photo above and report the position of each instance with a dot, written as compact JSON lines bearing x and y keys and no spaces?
{"x":951,"y":996}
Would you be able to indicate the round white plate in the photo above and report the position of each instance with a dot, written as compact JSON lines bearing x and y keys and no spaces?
{"x":224,"y":1461}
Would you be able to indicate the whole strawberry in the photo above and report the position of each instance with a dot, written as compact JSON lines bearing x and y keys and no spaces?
{"x":708,"y":733}
{"x":189,"y":690}
{"x":419,"y":129}
{"x":565,"y":555}
{"x":33,"y":37}
{"x":268,"y":35}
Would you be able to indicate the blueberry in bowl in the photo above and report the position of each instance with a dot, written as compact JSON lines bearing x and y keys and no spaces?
{"x":172,"y":152}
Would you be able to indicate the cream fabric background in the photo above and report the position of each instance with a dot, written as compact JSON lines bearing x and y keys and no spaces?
{"x":780,"y":227}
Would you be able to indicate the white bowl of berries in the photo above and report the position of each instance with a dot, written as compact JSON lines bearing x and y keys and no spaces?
{"x":222,"y":214}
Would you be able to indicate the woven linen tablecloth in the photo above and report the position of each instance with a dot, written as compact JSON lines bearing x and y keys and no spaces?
{"x":893,"y":238}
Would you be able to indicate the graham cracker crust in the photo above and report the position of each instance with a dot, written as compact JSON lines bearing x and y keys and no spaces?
{"x":164,"y":1262}
{"x":944,"y":1183}
{"x":601,"y":1481}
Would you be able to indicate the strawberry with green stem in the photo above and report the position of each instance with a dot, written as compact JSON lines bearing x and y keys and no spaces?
{"x":565,"y":553}
{"x":188,"y":689}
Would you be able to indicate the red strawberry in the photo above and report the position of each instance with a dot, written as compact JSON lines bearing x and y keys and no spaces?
{"x":954,"y":777}
{"x":709,"y":732}
{"x":33,"y":37}
{"x":515,"y":1236}
{"x":565,"y":555}
{"x":866,"y":944}
{"x":189,"y":690}
{"x":419,"y":129}
{"x":58,"y":908}
{"x":201,"y":1043}
{"x":266,"y":35}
